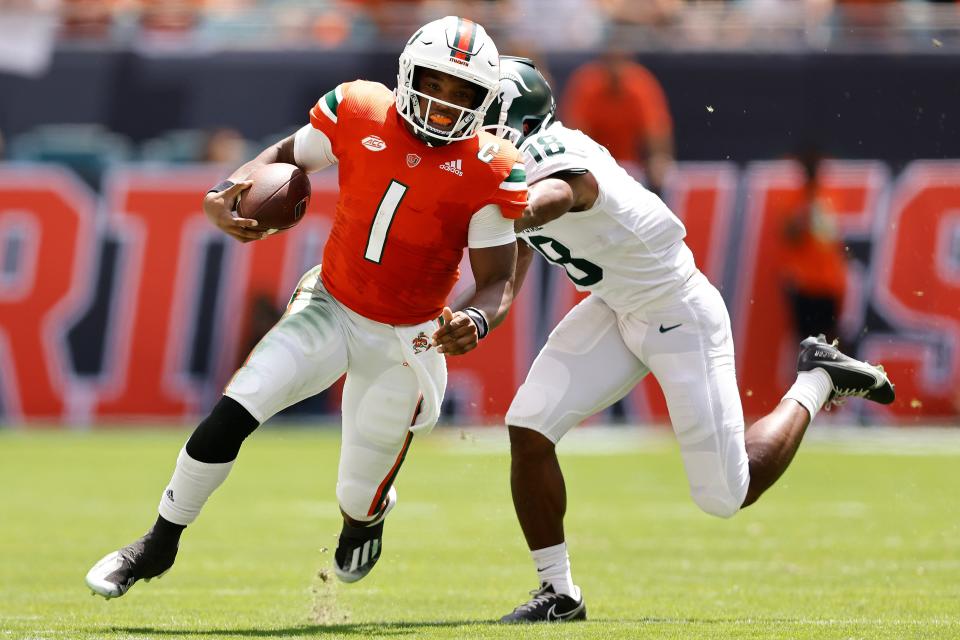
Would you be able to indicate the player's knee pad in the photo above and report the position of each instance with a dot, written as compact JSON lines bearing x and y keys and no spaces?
{"x":387,"y":408}
{"x":355,"y":499}
{"x":537,"y":407}
{"x":218,"y":438}
{"x":717,"y":501}
{"x":718,"y":475}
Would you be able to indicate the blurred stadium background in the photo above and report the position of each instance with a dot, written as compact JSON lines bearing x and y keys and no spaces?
{"x":119,"y":304}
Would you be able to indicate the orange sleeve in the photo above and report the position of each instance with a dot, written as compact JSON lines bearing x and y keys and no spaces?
{"x":325,"y":114}
{"x":511,"y":203}
{"x":511,"y":193}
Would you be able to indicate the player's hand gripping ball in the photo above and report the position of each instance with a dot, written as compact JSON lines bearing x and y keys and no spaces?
{"x":277,"y":199}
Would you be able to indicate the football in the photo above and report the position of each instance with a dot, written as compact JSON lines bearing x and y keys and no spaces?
{"x":278,"y":197}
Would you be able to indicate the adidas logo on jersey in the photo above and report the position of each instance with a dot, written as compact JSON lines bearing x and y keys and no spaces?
{"x":453,"y":166}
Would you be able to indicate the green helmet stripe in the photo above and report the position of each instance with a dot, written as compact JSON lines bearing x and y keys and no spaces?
{"x":473,"y":36}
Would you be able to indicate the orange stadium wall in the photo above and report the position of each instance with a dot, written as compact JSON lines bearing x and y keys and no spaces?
{"x":162,"y":300}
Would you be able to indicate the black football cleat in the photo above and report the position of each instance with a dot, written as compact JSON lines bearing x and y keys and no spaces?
{"x":359,"y":548}
{"x":851,"y":378}
{"x":547,"y":606}
{"x":143,"y":559}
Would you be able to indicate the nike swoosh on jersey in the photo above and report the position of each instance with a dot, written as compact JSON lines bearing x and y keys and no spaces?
{"x":665,"y":329}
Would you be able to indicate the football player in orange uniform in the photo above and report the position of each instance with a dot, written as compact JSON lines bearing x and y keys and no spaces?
{"x":418,"y":183}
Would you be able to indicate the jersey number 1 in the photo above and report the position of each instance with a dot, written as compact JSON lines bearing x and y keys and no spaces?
{"x":380,"y":226}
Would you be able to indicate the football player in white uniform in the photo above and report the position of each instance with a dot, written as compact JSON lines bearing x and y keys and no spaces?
{"x":649,"y":311}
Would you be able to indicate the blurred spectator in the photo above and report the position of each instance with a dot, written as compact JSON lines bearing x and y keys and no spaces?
{"x":2,"y":147}
{"x":867,"y":20}
{"x":86,"y":19}
{"x":331,"y":28}
{"x":812,"y":260}
{"x":548,"y":25}
{"x":27,"y":35}
{"x":620,"y":104}
{"x":648,"y":12}
{"x":169,"y":19}
{"x":391,"y":18}
{"x":225,"y":146}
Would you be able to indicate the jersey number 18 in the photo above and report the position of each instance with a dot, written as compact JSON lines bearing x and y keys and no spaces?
{"x":582,"y":272}
{"x":549,"y":144}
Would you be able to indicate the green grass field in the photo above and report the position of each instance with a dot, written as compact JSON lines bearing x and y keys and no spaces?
{"x":855,"y":542}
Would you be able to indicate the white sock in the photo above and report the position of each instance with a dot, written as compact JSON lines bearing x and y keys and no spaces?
{"x":553,"y":566}
{"x":812,"y":389}
{"x":192,"y":483}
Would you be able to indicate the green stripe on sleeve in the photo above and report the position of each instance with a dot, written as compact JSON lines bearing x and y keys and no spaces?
{"x":516,"y":175}
{"x":332,"y":102}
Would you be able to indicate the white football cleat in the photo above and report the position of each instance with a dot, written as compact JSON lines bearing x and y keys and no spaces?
{"x":117,"y":571}
{"x":109,"y":565}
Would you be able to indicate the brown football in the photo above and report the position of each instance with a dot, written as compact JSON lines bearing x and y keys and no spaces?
{"x":278,"y":197}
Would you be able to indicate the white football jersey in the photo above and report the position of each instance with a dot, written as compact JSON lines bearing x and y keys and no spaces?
{"x":628,"y":249}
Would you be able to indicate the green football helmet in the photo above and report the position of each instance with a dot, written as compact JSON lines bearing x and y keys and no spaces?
{"x":525,"y":104}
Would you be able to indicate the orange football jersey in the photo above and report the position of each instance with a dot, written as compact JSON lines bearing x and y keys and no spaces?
{"x":404,"y":208}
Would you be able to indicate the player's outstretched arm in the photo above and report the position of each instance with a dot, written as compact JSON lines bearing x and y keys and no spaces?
{"x":552,"y":197}
{"x":493,"y":272}
{"x":219,"y":205}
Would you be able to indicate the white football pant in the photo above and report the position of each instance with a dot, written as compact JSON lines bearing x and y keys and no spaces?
{"x":595,"y":356}
{"x":317,"y":341}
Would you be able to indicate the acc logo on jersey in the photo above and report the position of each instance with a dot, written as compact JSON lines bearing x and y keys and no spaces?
{"x":374,"y":143}
{"x":412,"y":160}
{"x":420,"y":343}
